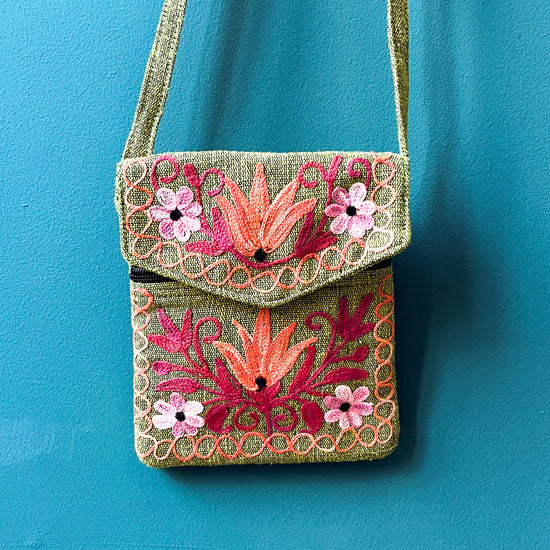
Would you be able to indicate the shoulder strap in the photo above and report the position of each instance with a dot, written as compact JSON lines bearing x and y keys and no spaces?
{"x":398,"y":42}
{"x":160,"y":66}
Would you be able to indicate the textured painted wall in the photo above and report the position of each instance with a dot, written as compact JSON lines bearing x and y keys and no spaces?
{"x":472,"y":290}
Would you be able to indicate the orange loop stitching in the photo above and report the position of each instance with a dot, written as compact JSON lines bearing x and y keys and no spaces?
{"x":266,"y":443}
{"x":384,"y":343}
{"x":140,"y":372}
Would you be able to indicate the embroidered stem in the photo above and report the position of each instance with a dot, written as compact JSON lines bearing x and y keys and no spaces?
{"x":193,"y":178}
{"x":222,"y":398}
{"x":357,"y":173}
{"x":329,"y":177}
{"x":329,"y":354}
{"x":210,"y":390}
{"x":207,"y":339}
{"x":164,"y":179}
{"x":197,"y":368}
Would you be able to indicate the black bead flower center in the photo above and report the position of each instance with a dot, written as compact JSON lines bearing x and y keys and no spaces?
{"x":180,"y":416}
{"x":351,"y":210}
{"x":344,"y":407}
{"x":261,"y":382}
{"x":260,"y":255}
{"x":175,"y":215}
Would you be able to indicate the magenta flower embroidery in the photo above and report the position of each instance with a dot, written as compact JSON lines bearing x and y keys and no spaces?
{"x":348,"y":408}
{"x":175,"y":340}
{"x":177,"y":216}
{"x":351,"y":211}
{"x":180,"y":415}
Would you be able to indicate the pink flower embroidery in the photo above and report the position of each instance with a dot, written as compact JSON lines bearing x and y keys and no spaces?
{"x":175,"y":340}
{"x":177,"y":216}
{"x":347,"y":408}
{"x":351,"y":211}
{"x":180,"y":415}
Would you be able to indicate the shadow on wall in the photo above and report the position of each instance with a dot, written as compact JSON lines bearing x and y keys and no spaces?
{"x":211,"y":100}
{"x":433,"y":279}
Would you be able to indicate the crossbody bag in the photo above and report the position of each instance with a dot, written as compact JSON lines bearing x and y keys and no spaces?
{"x":261,"y":288}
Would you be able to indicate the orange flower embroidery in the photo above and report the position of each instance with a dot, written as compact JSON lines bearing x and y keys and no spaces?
{"x":258,"y":226}
{"x":266,"y":361}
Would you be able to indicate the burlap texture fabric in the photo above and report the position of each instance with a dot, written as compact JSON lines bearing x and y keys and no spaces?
{"x":262,"y":289}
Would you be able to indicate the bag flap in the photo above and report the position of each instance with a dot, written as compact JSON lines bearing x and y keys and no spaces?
{"x":262,"y":228}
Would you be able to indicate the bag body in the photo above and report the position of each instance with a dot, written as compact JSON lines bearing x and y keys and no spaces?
{"x":261,"y":289}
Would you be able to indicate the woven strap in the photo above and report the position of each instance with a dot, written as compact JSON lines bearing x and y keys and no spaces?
{"x":160,"y":66}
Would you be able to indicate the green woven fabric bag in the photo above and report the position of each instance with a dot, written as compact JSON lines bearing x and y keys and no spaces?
{"x":261,"y":288}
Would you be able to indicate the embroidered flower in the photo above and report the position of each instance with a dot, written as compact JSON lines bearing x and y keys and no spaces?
{"x":180,"y":415}
{"x":347,"y":408}
{"x":175,"y":339}
{"x":266,"y":361}
{"x":351,"y":211}
{"x":177,"y":216}
{"x":258,"y":226}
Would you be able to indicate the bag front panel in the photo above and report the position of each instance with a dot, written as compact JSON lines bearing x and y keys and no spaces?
{"x":262,"y":228}
{"x":217,"y":382}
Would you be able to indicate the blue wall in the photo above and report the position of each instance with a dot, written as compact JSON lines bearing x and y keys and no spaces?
{"x":472,"y":290}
